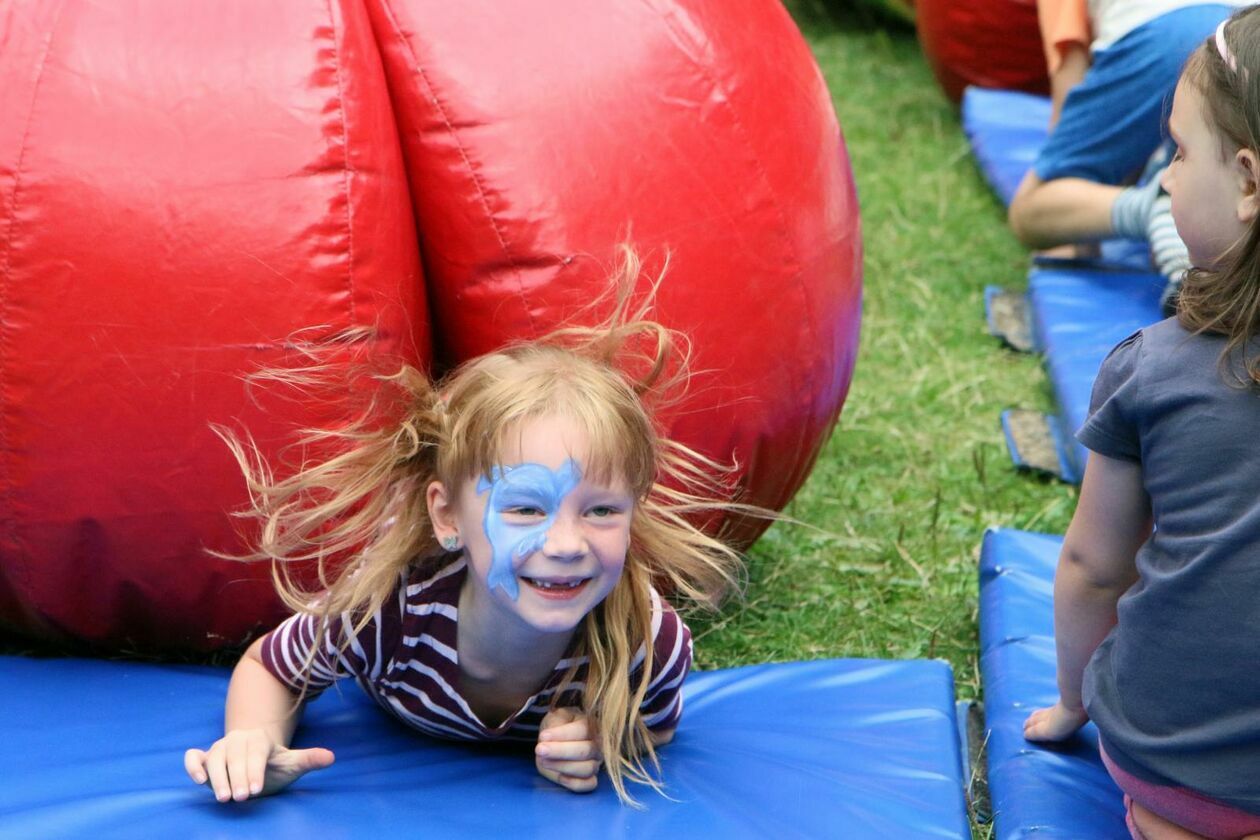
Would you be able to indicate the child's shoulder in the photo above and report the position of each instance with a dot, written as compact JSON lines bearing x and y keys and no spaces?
{"x":1161,"y":343}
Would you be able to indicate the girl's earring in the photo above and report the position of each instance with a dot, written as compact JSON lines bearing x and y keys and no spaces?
{"x":451,"y":542}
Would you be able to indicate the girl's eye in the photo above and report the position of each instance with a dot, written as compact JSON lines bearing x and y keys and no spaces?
{"x":1177,"y":155}
{"x":604,"y":511}
{"x":524,"y":511}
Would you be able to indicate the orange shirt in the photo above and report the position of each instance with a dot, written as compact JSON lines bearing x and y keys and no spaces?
{"x":1063,"y":22}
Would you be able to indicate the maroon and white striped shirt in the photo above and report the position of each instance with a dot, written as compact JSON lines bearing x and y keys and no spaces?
{"x":406,"y":660}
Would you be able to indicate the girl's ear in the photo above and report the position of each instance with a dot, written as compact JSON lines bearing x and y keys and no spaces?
{"x":1248,"y":166}
{"x":441,"y":511}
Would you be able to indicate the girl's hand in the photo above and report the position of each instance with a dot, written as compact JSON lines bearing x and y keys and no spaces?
{"x":1054,"y":724}
{"x":567,"y":752}
{"x":247,"y":762}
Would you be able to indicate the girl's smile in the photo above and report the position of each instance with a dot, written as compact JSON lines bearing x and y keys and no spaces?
{"x":545,"y":542}
{"x":556,"y":589}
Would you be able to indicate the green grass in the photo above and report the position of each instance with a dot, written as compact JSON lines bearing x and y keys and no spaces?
{"x":917,"y":468}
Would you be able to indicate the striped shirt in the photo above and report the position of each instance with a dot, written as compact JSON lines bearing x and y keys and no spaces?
{"x":405,"y":658}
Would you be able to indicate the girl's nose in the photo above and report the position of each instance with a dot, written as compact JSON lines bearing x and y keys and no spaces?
{"x":565,"y":540}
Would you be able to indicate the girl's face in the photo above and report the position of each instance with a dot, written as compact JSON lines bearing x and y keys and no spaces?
{"x":545,"y":543}
{"x":1212,"y":190}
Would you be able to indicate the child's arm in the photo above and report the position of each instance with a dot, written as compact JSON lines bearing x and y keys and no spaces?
{"x":1073,"y":63}
{"x":252,"y":758}
{"x":1096,"y":567}
{"x":1065,"y":37}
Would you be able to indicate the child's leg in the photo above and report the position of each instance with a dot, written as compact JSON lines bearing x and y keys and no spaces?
{"x":1147,"y":825}
{"x":1159,"y":812}
{"x":1111,"y":122}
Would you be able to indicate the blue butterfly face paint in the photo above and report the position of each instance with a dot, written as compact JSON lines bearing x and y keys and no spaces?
{"x":524,"y":486}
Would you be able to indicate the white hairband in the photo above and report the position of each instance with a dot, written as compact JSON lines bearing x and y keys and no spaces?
{"x":1223,"y":48}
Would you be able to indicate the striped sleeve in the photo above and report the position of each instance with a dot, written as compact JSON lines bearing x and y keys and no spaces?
{"x":285,"y":650}
{"x":671,"y":660}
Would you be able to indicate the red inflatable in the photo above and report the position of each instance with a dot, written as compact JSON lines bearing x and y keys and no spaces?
{"x":181,"y":188}
{"x":987,"y":43}
{"x":179,"y":193}
{"x":543,"y":139}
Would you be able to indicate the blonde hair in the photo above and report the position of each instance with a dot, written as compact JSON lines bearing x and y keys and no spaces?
{"x":1226,"y":299}
{"x":357,"y":511}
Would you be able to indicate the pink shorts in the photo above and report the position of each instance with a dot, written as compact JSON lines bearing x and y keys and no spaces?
{"x":1182,"y":806}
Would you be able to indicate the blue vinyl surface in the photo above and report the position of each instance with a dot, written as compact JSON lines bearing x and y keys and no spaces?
{"x":833,"y":748}
{"x":1006,"y":129}
{"x":1050,"y":793}
{"x":1078,"y":316}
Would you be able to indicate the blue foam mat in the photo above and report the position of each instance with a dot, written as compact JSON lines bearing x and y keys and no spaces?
{"x":838,"y":748}
{"x":1006,"y":130}
{"x":1051,"y":793}
{"x":1078,"y":316}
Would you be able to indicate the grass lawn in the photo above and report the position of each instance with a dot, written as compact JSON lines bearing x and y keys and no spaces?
{"x":917,"y":468}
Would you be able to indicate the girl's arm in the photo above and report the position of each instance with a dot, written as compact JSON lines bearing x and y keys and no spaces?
{"x":257,"y":700}
{"x":1096,"y":567}
{"x":252,"y":758}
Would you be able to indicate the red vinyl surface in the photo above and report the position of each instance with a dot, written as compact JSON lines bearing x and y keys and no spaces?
{"x":182,"y":187}
{"x":986,"y":43}
{"x":536,"y":142}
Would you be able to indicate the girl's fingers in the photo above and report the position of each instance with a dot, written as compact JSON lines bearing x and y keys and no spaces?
{"x":194,"y":765}
{"x":238,"y":776}
{"x":1052,"y":724}
{"x":574,"y":783}
{"x":216,"y":770}
{"x":572,"y":769}
{"x":566,"y":750}
{"x":557,"y":718}
{"x":299,"y":762}
{"x":584,"y":784}
{"x":575,"y":730}
{"x":256,"y":766}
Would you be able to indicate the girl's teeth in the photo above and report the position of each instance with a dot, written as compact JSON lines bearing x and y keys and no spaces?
{"x":542,"y":584}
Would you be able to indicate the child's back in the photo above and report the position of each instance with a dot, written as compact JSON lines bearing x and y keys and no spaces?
{"x":1174,"y":688}
{"x":1157,"y":593}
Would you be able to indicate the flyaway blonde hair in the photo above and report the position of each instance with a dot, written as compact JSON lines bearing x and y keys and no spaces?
{"x":356,"y":510}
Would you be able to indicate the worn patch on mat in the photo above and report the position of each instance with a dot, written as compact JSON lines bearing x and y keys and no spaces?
{"x":1008,"y":319}
{"x":1034,"y":441}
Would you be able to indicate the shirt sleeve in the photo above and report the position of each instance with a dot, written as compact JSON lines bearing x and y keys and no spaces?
{"x":1063,"y":23}
{"x":1112,"y":426}
{"x":671,"y":661}
{"x":286,"y":651}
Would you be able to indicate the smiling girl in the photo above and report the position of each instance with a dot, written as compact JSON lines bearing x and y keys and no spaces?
{"x":507,"y":531}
